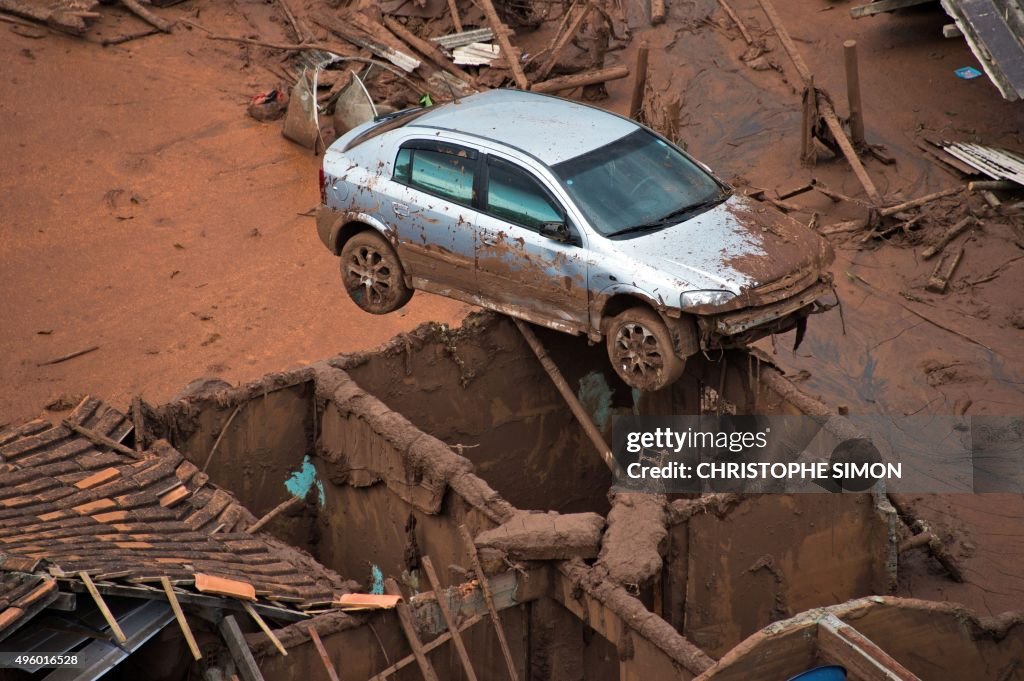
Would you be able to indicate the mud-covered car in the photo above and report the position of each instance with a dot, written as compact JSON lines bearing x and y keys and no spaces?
{"x":570,"y":217}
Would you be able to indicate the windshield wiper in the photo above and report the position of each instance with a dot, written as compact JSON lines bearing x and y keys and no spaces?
{"x":674,"y":216}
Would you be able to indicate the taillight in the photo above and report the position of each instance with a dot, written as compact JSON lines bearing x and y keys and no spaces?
{"x":323,"y":185}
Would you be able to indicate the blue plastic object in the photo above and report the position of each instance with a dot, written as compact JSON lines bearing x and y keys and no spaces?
{"x":967,"y":72}
{"x":832,"y":672}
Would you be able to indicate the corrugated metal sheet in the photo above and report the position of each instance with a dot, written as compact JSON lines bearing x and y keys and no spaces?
{"x":450,"y":42}
{"x":995,"y":31}
{"x":999,"y":164}
{"x":476,"y":54}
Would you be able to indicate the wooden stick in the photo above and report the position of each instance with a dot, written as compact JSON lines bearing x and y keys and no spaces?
{"x":657,"y":12}
{"x":427,"y":647}
{"x":138,"y":424}
{"x":456,"y":21}
{"x":405,"y":618}
{"x":442,"y":603}
{"x":364,"y":39}
{"x":239,"y":649}
{"x":141,"y":12}
{"x":102,"y":605}
{"x":70,"y":355}
{"x":220,"y":436}
{"x":636,"y":102}
{"x":107,"y":42}
{"x":809,"y":118}
{"x":263,"y":625}
{"x":580,"y":79}
{"x":428,"y":49}
{"x":561,"y":40}
{"x":951,"y":233}
{"x":102,"y":440}
{"x":853,"y":94}
{"x":510,"y":53}
{"x":836,"y":128}
{"x":993,"y":185}
{"x":274,"y":512}
{"x":914,"y":203}
{"x":485,"y":587}
{"x":568,"y":395}
{"x":315,"y":637}
{"x":301,"y":33}
{"x":787,"y":42}
{"x":180,"y":616}
{"x":736,"y":20}
{"x":840,"y":227}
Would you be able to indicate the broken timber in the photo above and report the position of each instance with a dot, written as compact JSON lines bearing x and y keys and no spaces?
{"x":449,"y":620}
{"x":580,"y":79}
{"x":239,"y":649}
{"x":63,"y":19}
{"x":821,"y":102}
{"x":273,"y":513}
{"x":840,"y":643}
{"x":510,"y":53}
{"x":561,"y":40}
{"x":429,"y":50}
{"x":403,"y":61}
{"x":405,"y":618}
{"x":141,"y":12}
{"x":315,"y":638}
{"x":180,"y":616}
{"x":103,"y":440}
{"x":950,"y":234}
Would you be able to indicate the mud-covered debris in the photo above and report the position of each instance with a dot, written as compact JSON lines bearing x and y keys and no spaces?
{"x":268,"y":106}
{"x":546,"y":536}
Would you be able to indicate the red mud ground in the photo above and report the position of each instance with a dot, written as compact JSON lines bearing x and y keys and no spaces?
{"x":217,"y":271}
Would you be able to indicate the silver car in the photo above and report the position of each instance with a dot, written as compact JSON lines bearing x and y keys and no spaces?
{"x":570,"y":217}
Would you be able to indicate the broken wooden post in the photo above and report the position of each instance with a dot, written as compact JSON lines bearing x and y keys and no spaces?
{"x":657,"y":12}
{"x":485,"y":588}
{"x":950,"y":234}
{"x":115,"y":628}
{"x":239,"y":649}
{"x":405,"y":619}
{"x":920,"y":201}
{"x":943,"y":272}
{"x":180,"y":616}
{"x":449,"y":620}
{"x":561,"y":40}
{"x":138,"y":424}
{"x":808,"y":153}
{"x":315,"y":638}
{"x":456,"y":20}
{"x":141,"y":12}
{"x":580,"y":79}
{"x":568,"y":395}
{"x":266,"y":629}
{"x":510,"y":53}
{"x":102,"y":440}
{"x":853,"y":94}
{"x":636,"y":103}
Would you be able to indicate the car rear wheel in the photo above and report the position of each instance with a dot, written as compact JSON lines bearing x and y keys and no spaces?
{"x":640,"y":349}
{"x":373,"y":274}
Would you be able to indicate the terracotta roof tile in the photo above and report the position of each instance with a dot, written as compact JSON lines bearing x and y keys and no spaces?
{"x":98,"y":478}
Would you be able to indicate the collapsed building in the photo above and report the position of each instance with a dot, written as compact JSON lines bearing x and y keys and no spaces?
{"x":446,"y":468}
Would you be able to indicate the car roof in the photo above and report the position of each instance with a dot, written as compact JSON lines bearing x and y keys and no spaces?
{"x":549,"y":128}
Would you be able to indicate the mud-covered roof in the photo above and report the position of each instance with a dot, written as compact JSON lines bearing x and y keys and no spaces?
{"x":550,"y":128}
{"x":69,"y":505}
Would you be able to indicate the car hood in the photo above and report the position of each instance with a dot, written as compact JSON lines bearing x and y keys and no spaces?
{"x":738,"y":245}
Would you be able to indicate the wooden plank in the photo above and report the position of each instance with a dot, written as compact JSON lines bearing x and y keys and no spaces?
{"x":180,"y":616}
{"x":881,"y":6}
{"x":239,"y":649}
{"x":102,"y":440}
{"x":436,"y":643}
{"x":138,"y":424}
{"x":787,"y":41}
{"x":442,"y":603}
{"x":456,"y":20}
{"x":405,"y":618}
{"x":580,"y":79}
{"x":832,"y":121}
{"x":636,"y":102}
{"x":328,"y":665}
{"x":104,"y":610}
{"x":266,"y":630}
{"x":839,"y":643}
{"x":485,"y":587}
{"x":950,"y":234}
{"x":510,"y":53}
{"x":920,"y":201}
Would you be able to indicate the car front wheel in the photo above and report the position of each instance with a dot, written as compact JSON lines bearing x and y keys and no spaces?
{"x":640,"y":349}
{"x":373,"y":274}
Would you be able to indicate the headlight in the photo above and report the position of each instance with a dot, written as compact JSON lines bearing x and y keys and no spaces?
{"x":694,"y":298}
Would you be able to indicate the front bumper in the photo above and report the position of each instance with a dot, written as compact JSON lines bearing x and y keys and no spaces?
{"x":749,"y":324}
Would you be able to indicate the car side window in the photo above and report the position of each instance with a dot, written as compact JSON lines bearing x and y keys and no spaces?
{"x":514,"y":194}
{"x":442,"y":170}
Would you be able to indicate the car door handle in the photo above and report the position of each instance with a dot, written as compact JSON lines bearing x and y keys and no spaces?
{"x":401,"y":210}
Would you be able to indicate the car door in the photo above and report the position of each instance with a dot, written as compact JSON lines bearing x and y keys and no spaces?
{"x":520,"y":269}
{"x":432,"y":211}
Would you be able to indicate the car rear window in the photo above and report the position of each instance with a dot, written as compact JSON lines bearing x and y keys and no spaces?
{"x":446,"y":175}
{"x":513,"y":194}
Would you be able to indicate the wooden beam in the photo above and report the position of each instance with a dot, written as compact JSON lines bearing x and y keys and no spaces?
{"x":920,"y":201}
{"x":442,"y":603}
{"x":839,"y":643}
{"x":239,"y":649}
{"x":580,"y":79}
{"x":138,"y":424}
{"x":510,"y":53}
{"x":569,"y":396}
{"x":880,"y":6}
{"x":950,"y":234}
{"x":561,"y":40}
{"x":456,"y":21}
{"x":263,"y":625}
{"x":405,"y":618}
{"x":787,"y":41}
{"x":273,"y":513}
{"x":102,"y":440}
{"x":747,"y":38}
{"x":180,"y":616}
{"x":332,"y":675}
{"x":141,"y":12}
{"x":636,"y":102}
{"x":853,"y":94}
{"x":836,"y":128}
{"x":485,"y":587}
{"x":115,"y":628}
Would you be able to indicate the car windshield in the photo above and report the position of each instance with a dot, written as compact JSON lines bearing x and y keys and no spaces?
{"x":637,"y":183}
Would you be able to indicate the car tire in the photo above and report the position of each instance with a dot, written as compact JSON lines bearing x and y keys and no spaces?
{"x":373,"y":274}
{"x":640,"y":349}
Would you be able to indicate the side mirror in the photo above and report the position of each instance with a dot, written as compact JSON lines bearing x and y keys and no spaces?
{"x":557,"y":231}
